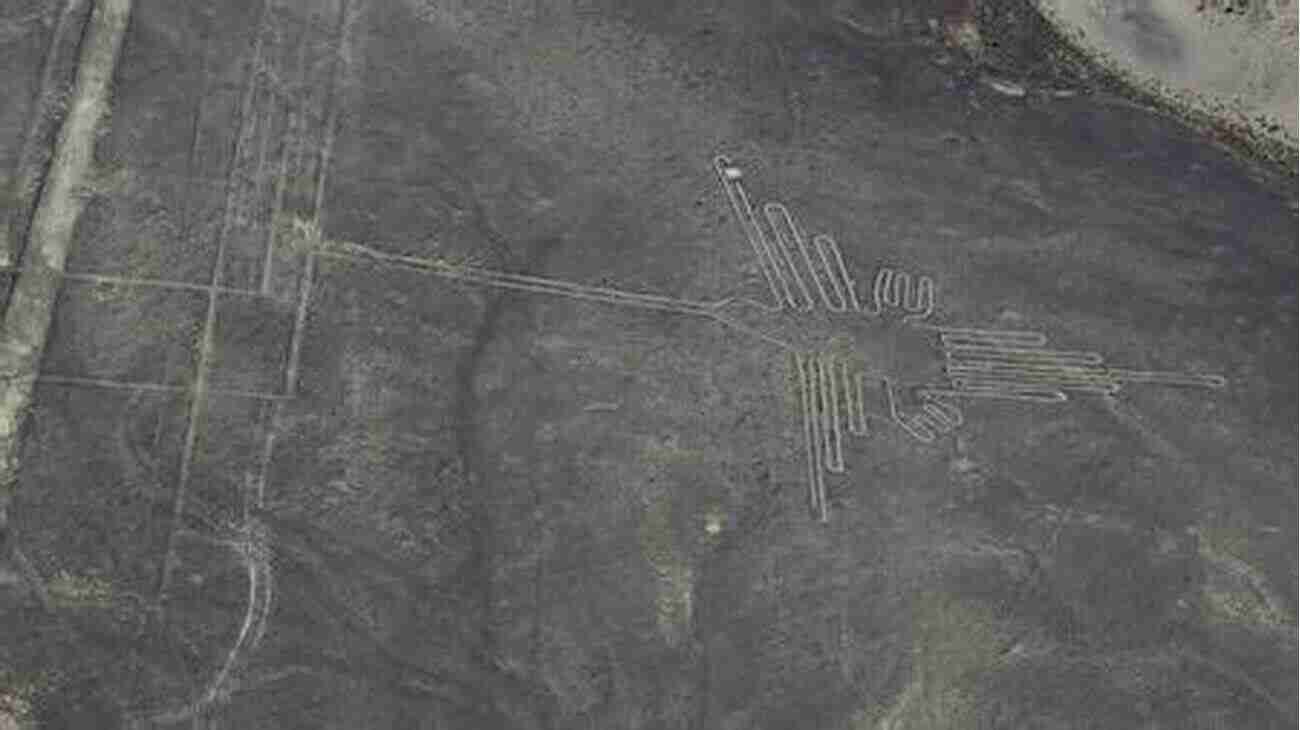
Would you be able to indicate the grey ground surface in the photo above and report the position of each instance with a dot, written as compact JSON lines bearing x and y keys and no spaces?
{"x":415,"y":501}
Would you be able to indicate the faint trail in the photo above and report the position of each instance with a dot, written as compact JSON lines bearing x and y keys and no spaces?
{"x":29,"y":313}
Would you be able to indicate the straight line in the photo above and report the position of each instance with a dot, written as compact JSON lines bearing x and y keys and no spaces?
{"x":812,"y":437}
{"x":1047,"y":383}
{"x":273,"y":419}
{"x":266,"y":127}
{"x":250,"y":394}
{"x":192,"y":149}
{"x":768,"y":245}
{"x":1025,"y":354}
{"x":771,"y":340}
{"x":1109,"y":389}
{"x":134,"y":281}
{"x":1029,"y":394}
{"x":577,"y":291}
{"x":964,"y":382}
{"x":830,"y":414}
{"x":730,"y":186}
{"x":297,"y":166}
{"x":1013,"y":366}
{"x":523,"y":282}
{"x":849,"y":296}
{"x":854,"y":396}
{"x":780,"y":242}
{"x":1062,"y":375}
{"x":1044,"y":381}
{"x":770,"y":211}
{"x":442,"y":268}
{"x":160,"y":283}
{"x":538,"y":285}
{"x":109,"y":383}
{"x":342,"y":67}
{"x":944,"y":411}
{"x":199,"y":395}
{"x":299,"y":326}
{"x":990,"y":337}
{"x":268,"y":260}
{"x":1169,"y":378}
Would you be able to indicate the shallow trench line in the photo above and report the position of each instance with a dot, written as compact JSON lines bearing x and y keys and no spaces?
{"x":26,"y":326}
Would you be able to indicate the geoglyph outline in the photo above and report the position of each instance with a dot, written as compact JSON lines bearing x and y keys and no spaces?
{"x":802,"y":274}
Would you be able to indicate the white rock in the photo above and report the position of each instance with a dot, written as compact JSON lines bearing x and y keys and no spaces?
{"x":1005,"y":87}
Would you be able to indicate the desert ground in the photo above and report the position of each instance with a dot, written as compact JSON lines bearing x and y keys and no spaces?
{"x":732,"y":364}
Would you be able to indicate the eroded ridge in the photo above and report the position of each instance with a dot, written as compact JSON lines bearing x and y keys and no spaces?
{"x":1017,"y":365}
